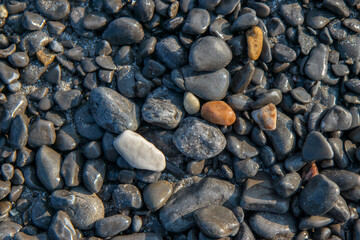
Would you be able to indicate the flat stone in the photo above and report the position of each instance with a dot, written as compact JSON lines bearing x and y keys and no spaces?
{"x":129,"y":143}
{"x":210,"y":86}
{"x":305,"y":41}
{"x":199,"y":139}
{"x":127,"y":196}
{"x":41,"y":132}
{"x":348,"y":47}
{"x":111,"y":226}
{"x":319,"y":195}
{"x":86,"y":210}
{"x":314,"y":222}
{"x":317,"y":64}
{"x":318,"y":19}
{"x":68,"y":99}
{"x":345,"y":179}
{"x":19,"y":59}
{"x":241,"y":146}
{"x":266,"y":117}
{"x":292,"y":13}
{"x":218,"y":112}
{"x":48,"y":168}
{"x":316,"y":147}
{"x":288,"y":185}
{"x":157,"y":194}
{"x":112,"y":111}
{"x":273,"y":226}
{"x":94,"y":174}
{"x":18,"y":132}
{"x":259,"y":195}
{"x":123,"y":31}
{"x":197,"y":21}
{"x":171,"y":52}
{"x":254,"y":38}
{"x":203,"y":59}
{"x":177,"y":214}
{"x":8,"y":74}
{"x":70,"y":168}
{"x":283,"y":53}
{"x":244,"y":22}
{"x":216,"y":221}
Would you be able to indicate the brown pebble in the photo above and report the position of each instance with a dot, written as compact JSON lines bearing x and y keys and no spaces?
{"x":254,"y":37}
{"x":266,"y":117}
{"x":218,"y":112}
{"x":313,"y":171}
{"x":45,"y":56}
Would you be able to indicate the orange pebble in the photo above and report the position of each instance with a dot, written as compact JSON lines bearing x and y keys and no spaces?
{"x":254,"y":37}
{"x":312,"y":172}
{"x":266,"y":117}
{"x":218,"y":112}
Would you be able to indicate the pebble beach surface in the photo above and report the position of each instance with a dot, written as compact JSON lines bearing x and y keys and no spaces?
{"x":179,"y":119}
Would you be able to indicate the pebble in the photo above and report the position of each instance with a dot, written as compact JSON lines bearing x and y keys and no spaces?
{"x":288,"y":185}
{"x":199,"y":139}
{"x":241,"y":146}
{"x":8,"y":229}
{"x":48,"y":168}
{"x":163,"y":107}
{"x":53,"y":9}
{"x":292,"y":13}
{"x":41,"y":132}
{"x":316,"y":148}
{"x":283,"y":53}
{"x":61,"y":199}
{"x":19,"y":132}
{"x":336,"y":119}
{"x":94,"y":174}
{"x":218,"y":112}
{"x":338,"y":7}
{"x":254,"y":37}
{"x":207,"y":85}
{"x":111,"y":226}
{"x":191,"y":103}
{"x":265,"y":117}
{"x":197,"y":21}
{"x":272,"y":225}
{"x":86,"y":210}
{"x":317,"y":64}
{"x":112,"y":111}
{"x":4,"y":53}
{"x":345,"y":179}
{"x":319,"y":195}
{"x":259,"y":195}
{"x":244,"y":169}
{"x":314,"y":222}
{"x":123,"y":31}
{"x":244,"y":22}
{"x":61,"y":227}
{"x":19,"y":59}
{"x":127,"y":196}
{"x":139,"y":236}
{"x":170,"y":51}
{"x":8,"y":74}
{"x":201,"y":59}
{"x":68,"y":99}
{"x":348,"y":47}
{"x":5,"y":187}
{"x":150,"y":158}
{"x":242,"y":78}
{"x":300,"y":95}
{"x":33,"y":21}
{"x":216,"y":221}
{"x":157,"y":194}
{"x":211,"y":191}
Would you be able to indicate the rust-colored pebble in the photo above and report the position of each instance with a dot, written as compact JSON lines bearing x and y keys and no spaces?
{"x":254,"y":37}
{"x":218,"y":112}
{"x":266,"y":117}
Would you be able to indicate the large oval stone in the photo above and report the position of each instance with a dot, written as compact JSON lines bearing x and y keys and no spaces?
{"x":112,"y":111}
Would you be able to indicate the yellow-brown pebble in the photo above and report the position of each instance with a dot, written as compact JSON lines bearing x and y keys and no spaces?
{"x":254,"y":37}
{"x":266,"y":117}
{"x":218,"y":112}
{"x":3,"y":11}
{"x":45,"y":56}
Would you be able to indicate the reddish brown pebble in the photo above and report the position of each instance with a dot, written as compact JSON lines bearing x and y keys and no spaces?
{"x":218,"y":112}
{"x":313,"y":171}
{"x":266,"y":117}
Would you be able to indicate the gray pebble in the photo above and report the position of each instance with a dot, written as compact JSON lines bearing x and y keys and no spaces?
{"x":48,"y":168}
{"x":5,"y":187}
{"x":317,"y":64}
{"x":95,"y":21}
{"x":157,"y":194}
{"x":123,"y":31}
{"x":127,"y":196}
{"x":319,"y":195}
{"x":203,"y":59}
{"x":92,"y":150}
{"x":53,"y":9}
{"x":283,"y":53}
{"x":61,"y":227}
{"x":19,"y":59}
{"x":348,"y":47}
{"x":112,"y":111}
{"x":68,"y":99}
{"x":111,"y":226}
{"x":312,"y":222}
{"x":336,"y":118}
{"x":33,"y":21}
{"x":242,"y":78}
{"x":288,"y":185}
{"x":338,"y":7}
{"x":241,"y":146}
{"x":292,"y":13}
{"x":316,"y":147}
{"x":197,"y":21}
{"x":244,"y":169}
{"x":8,"y":229}
{"x":61,"y":199}
{"x":19,"y":132}
{"x":41,"y":132}
{"x":170,"y":51}
{"x":210,"y":141}
{"x":244,"y":22}
{"x":94,"y":174}
{"x":8,"y":74}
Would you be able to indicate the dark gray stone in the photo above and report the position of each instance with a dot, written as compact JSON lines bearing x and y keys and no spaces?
{"x":111,"y":226}
{"x":53,"y":9}
{"x":292,"y":13}
{"x":127,"y":196}
{"x":170,"y":51}
{"x":94,"y":174}
{"x":317,"y":64}
{"x":123,"y":31}
{"x":316,"y":148}
{"x":197,"y":21}
{"x":61,"y":227}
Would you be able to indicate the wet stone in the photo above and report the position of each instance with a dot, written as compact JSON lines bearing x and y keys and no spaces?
{"x":275,"y":27}
{"x":8,"y":229}
{"x":244,"y":22}
{"x":317,"y":64}
{"x":48,"y":168}
{"x":95,"y":21}
{"x":123,"y":31}
{"x":300,"y":95}
{"x":41,"y":132}
{"x":338,"y":7}
{"x":319,"y":195}
{"x":8,"y":74}
{"x":292,"y":13}
{"x":266,"y":117}
{"x":94,"y":174}
{"x":210,"y":141}
{"x":170,"y":51}
{"x":336,"y":118}
{"x":19,"y":59}
{"x":244,"y":169}
{"x":216,"y":221}
{"x":348,"y":47}
{"x":288,"y":185}
{"x":61,"y":227}
{"x":112,"y":111}
{"x":318,"y":19}
{"x":316,"y":148}
{"x":127,"y":196}
{"x":197,"y":21}
{"x":346,"y":180}
{"x":33,"y":21}
{"x":212,"y":191}
{"x":259,"y":195}
{"x":241,"y":146}
{"x":272,"y":225}
{"x":18,"y":132}
{"x":68,"y":99}
{"x":157,"y":194}
{"x":207,"y":85}
{"x":61,"y":199}
{"x":5,"y":187}
{"x":242,"y":78}
{"x":111,"y":226}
